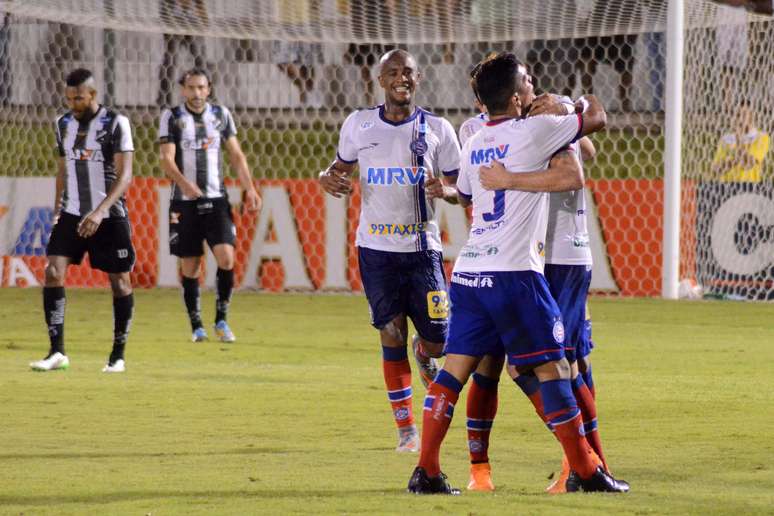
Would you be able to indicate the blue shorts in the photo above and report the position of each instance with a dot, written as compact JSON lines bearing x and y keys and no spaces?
{"x":413,"y":284}
{"x":569,"y":285}
{"x":514,"y":311}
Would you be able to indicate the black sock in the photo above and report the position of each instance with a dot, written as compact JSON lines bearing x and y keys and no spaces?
{"x":122,"y":318}
{"x":54,"y":310}
{"x":225,"y":284}
{"x":192,"y":301}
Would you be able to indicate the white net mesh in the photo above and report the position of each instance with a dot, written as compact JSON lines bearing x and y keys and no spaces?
{"x":291,"y":71}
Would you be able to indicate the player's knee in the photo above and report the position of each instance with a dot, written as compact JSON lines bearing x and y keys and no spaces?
{"x":54,"y":275}
{"x":120,"y":284}
{"x":583,"y":364}
{"x":431,"y":349}
{"x":393,"y":335}
{"x":553,"y":370}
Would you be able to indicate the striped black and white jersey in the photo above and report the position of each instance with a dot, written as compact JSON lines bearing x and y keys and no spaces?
{"x":89,"y":148}
{"x":198,"y":139}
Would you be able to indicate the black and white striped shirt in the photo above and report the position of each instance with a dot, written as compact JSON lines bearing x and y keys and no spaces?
{"x":89,"y":147}
{"x":198,"y":139}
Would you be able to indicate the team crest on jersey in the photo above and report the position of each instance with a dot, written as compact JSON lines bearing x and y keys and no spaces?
{"x":181,"y":123}
{"x":366,"y":125}
{"x":418,"y":147}
{"x":437,"y":304}
{"x":558,"y":332}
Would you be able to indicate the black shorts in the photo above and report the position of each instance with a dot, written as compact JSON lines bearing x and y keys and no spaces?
{"x":192,"y":222}
{"x":110,"y":248}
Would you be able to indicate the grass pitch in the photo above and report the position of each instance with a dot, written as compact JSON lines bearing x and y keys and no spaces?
{"x":293,"y":417}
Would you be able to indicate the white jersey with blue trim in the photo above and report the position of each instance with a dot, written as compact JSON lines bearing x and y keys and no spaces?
{"x":471,"y":126}
{"x":395,"y":214}
{"x":509,"y":226}
{"x":567,"y":240}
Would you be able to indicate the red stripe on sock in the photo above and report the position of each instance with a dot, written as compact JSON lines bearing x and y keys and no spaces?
{"x":397,"y":376}
{"x":434,"y":427}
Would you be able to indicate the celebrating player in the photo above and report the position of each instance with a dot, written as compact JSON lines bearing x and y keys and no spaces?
{"x":94,"y":170}
{"x":499,"y":296}
{"x":192,"y":136}
{"x":401,"y":150}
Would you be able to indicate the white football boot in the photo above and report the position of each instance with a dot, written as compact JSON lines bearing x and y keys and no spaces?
{"x":119,"y":366}
{"x":52,"y":362}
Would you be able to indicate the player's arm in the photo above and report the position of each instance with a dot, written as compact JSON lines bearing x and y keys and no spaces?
{"x":123,"y":164}
{"x":337,"y":178}
{"x":594,"y":117}
{"x":445,"y":188}
{"x":168,"y":165}
{"x":252,"y":201}
{"x":587,"y":149}
{"x":61,"y":171}
{"x":564,"y":174}
{"x":463,"y":200}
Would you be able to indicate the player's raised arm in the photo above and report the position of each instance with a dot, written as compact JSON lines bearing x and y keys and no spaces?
{"x":564,"y":174}
{"x":61,"y":174}
{"x":252,"y":200}
{"x":593,"y":114}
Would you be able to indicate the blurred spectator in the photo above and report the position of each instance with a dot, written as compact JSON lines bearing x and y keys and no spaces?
{"x":654,"y":44}
{"x":445,"y":14}
{"x":740,"y":154}
{"x":298,"y":59}
{"x":554,"y":63}
{"x":186,"y":14}
{"x":371,"y":21}
{"x":617,"y":18}
{"x":732,"y":45}
{"x":62,"y":51}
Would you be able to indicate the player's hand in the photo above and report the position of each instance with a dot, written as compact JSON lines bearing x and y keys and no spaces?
{"x":335,"y":182}
{"x":433,"y":187}
{"x":547,"y":104}
{"x":191,"y":190}
{"x":494,"y":177}
{"x":252,"y":201}
{"x":90,"y":223}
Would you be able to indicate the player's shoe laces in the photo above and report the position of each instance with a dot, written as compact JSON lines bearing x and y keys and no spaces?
{"x":223,"y":332}
{"x":51,"y":363}
{"x":119,"y":366}
{"x":199,"y":335}
{"x":420,"y":483}
{"x":481,"y":477}
{"x":601,"y":481}
{"x":428,"y":366}
{"x":408,"y":440}
{"x":559,"y":485}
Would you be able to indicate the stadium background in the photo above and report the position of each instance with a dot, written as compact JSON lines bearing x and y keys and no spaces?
{"x":303,"y":240}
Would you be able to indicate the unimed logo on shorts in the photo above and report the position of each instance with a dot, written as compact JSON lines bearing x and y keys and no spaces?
{"x":473,"y":281}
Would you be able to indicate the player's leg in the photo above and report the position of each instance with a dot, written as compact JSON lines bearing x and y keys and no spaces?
{"x":481,"y":411}
{"x":428,"y":308}
{"x":111,"y":250}
{"x":64,"y":247}
{"x":380,"y":273}
{"x":220,"y":233}
{"x":224,"y":286}
{"x":186,"y":236}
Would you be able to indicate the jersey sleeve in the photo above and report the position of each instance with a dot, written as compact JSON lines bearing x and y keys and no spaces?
{"x":448,"y":150}
{"x":468,"y":128}
{"x":166,"y":127}
{"x":463,"y":179}
{"x":551,"y":133}
{"x":347,"y":149}
{"x":229,"y":126}
{"x":122,"y":135}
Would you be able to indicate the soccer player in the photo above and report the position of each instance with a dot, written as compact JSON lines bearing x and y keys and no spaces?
{"x":498,"y":294}
{"x":192,"y":137}
{"x":93,"y":172}
{"x":401,"y":150}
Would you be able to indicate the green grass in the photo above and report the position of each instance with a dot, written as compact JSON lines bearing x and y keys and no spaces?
{"x":293,"y":418}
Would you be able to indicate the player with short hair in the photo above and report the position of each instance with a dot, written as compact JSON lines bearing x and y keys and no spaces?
{"x":192,"y":137}
{"x":499,"y":296}
{"x":93,"y":173}
{"x":401,"y":150}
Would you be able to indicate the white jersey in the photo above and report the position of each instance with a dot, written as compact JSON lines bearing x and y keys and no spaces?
{"x":509,"y":226}
{"x":471,"y":126}
{"x":567,"y":241}
{"x":395,"y":214}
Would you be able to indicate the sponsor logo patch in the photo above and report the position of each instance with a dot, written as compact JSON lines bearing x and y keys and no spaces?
{"x":401,"y":414}
{"x":437,"y":304}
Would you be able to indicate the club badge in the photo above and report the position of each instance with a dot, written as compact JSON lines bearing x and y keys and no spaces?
{"x":418,"y":147}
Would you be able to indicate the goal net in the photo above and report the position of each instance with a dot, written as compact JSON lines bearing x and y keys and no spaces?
{"x":291,"y":71}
